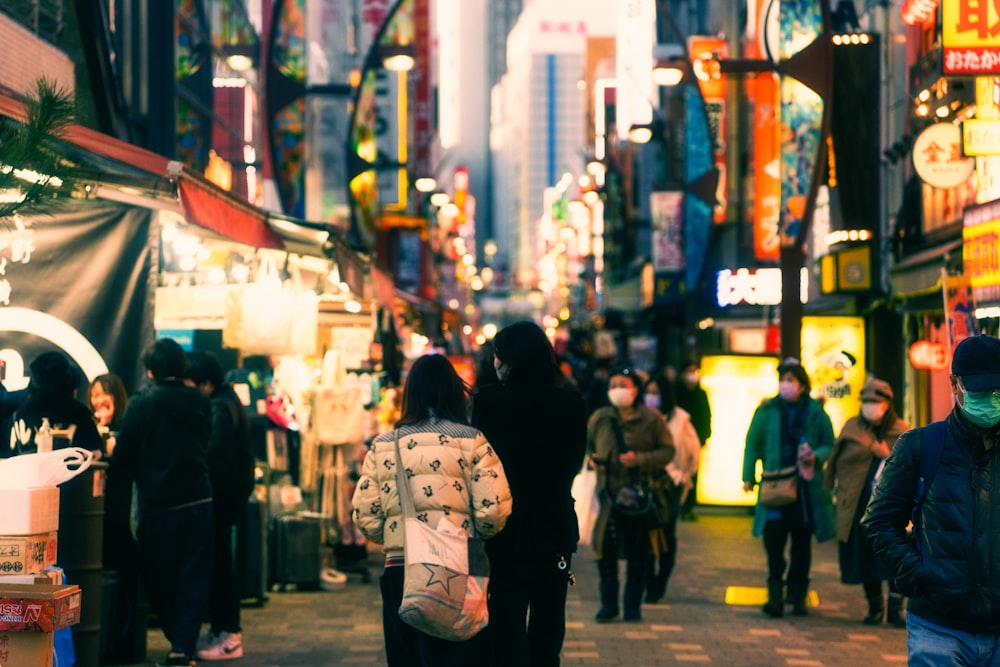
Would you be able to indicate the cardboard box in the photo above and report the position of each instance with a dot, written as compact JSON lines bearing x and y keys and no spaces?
{"x":29,"y":511}
{"x":26,"y":649}
{"x":27,"y":554}
{"x":38,"y":607}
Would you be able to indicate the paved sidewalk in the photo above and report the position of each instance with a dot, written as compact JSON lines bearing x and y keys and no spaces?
{"x":695,"y":625}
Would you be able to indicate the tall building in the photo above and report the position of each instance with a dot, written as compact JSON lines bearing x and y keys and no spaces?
{"x":539,"y":119}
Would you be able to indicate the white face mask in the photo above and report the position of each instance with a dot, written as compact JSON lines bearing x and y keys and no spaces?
{"x":788,"y":390}
{"x":873,"y":412}
{"x":652,"y":401}
{"x":621,"y":397}
{"x":692,"y":377}
{"x":501,"y":369}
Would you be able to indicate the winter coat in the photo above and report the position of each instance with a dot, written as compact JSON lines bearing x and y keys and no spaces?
{"x":644,"y":433}
{"x":453,"y":474}
{"x":540,"y":436}
{"x":763,"y":443}
{"x":847,"y":468}
{"x":688,"y":455}
{"x":950,"y":567}
{"x":163,"y":446}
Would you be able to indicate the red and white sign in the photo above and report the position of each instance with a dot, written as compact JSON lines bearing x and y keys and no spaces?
{"x":938,"y":159}
{"x":970,"y":37}
{"x":666,"y":211}
{"x":705,"y":53}
{"x":928,"y":356}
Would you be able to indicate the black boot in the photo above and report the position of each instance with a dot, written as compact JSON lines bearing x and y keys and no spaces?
{"x":797,"y":592}
{"x":633,"y":602}
{"x":876,"y":610}
{"x":609,"y":602}
{"x":775,"y":605}
{"x":896,"y":616}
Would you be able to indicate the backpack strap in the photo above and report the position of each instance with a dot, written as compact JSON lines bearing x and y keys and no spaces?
{"x":930,"y":456}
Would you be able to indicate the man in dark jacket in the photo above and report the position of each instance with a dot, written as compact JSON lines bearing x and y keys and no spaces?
{"x":163,"y":447}
{"x":950,"y":567}
{"x":231,"y":467}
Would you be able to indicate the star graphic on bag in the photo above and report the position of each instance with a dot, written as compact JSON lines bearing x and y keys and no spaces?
{"x":440,"y":575}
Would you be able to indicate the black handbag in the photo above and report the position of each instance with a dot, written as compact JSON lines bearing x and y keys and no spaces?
{"x":637,"y":498}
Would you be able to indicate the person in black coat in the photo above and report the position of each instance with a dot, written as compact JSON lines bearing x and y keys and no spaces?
{"x":231,"y":467}
{"x":163,"y":447}
{"x":52,"y":396}
{"x":539,"y":430}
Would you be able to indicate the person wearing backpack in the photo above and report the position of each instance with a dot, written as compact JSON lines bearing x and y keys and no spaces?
{"x":945,"y":478}
{"x":231,"y":467}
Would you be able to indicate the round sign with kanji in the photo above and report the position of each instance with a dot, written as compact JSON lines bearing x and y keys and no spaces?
{"x":937,"y":156}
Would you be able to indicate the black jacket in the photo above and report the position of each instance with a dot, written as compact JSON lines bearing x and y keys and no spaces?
{"x":230,"y":451}
{"x":540,"y":436}
{"x":951,"y":570}
{"x":163,"y":446}
{"x":62,"y":412}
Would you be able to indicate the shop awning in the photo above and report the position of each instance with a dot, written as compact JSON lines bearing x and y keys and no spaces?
{"x":201,"y":202}
{"x":920,"y":273}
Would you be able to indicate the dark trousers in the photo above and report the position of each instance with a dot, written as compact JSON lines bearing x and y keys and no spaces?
{"x":406,"y":646}
{"x":776,"y":534}
{"x":625,"y":537}
{"x":528,"y":583}
{"x":224,"y":592}
{"x":175,"y":561}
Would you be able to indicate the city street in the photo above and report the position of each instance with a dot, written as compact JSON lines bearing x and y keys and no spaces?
{"x":695,"y":625}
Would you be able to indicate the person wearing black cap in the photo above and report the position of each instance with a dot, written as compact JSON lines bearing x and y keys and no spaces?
{"x":791,"y":430}
{"x":855,"y":464}
{"x":54,"y":381}
{"x":949,"y":566}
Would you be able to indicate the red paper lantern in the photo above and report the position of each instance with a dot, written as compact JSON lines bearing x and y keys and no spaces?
{"x":928,"y":356}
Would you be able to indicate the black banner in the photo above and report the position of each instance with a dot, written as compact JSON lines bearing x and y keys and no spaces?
{"x":81,"y":281}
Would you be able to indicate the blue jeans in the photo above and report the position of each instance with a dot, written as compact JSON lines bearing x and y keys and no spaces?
{"x":931,"y":645}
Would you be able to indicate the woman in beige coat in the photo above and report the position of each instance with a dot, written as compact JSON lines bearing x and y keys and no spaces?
{"x":852,"y":470}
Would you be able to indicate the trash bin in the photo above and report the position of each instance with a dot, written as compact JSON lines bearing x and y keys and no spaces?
{"x":81,"y":529}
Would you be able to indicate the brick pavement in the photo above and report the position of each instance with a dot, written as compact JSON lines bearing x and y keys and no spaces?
{"x":695,"y":625}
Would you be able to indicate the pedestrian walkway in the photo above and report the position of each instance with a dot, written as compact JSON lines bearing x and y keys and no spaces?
{"x":693,"y":625}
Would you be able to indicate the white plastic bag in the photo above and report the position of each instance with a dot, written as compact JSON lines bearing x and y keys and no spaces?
{"x":47,"y":469}
{"x":588,"y":506}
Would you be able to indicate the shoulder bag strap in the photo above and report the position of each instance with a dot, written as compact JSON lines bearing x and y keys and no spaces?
{"x":402,"y":486}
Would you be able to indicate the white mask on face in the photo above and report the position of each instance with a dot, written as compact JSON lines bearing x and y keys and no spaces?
{"x":652,"y":401}
{"x":873,"y":412}
{"x":621,"y":397}
{"x":788,"y":390}
{"x":692,"y":377}
{"x":501,"y":369}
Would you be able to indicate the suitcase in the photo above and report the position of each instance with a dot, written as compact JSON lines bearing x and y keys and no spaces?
{"x":296,"y":556}
{"x":251,"y":553}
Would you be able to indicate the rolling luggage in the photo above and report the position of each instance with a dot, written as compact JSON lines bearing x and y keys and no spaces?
{"x":296,"y":551}
{"x":251,"y":553}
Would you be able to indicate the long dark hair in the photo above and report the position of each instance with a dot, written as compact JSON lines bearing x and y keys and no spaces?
{"x":525,"y":348}
{"x":433,"y":387}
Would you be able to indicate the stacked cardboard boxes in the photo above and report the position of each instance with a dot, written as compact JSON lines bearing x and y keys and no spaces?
{"x":32,"y":608}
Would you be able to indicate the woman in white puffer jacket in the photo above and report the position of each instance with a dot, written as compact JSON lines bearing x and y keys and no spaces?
{"x":454,"y":476}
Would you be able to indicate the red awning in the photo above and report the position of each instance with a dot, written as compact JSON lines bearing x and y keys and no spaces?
{"x":202,"y":202}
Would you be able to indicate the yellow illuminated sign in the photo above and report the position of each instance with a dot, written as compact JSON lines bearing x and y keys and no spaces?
{"x":735,"y":386}
{"x":833,"y":354}
{"x":981,"y":136}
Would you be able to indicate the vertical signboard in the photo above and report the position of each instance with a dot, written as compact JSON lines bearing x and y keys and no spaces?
{"x":981,"y":250}
{"x":666,"y":212}
{"x":704,"y":52}
{"x":634,"y":63}
{"x":762,"y":90}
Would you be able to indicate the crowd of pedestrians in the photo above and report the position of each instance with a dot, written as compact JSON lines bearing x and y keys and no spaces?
{"x":498,"y":460}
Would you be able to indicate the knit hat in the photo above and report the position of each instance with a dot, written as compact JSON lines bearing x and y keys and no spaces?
{"x":876,"y":390}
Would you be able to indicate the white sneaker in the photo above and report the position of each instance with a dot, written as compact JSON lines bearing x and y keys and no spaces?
{"x":227,"y":646}
{"x":206,"y":640}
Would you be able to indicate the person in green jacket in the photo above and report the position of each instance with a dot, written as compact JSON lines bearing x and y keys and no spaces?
{"x":790,"y":429}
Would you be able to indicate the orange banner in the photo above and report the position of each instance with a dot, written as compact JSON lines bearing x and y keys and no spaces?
{"x":705,"y":53}
{"x":763,"y":94}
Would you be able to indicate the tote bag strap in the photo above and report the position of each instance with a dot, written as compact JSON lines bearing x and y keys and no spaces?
{"x":402,"y":486}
